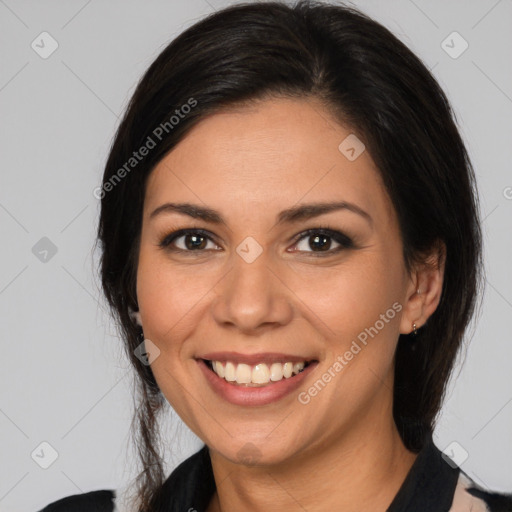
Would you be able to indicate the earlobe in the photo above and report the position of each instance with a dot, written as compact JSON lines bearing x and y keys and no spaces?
{"x":412,"y":313}
{"x":427,"y":287}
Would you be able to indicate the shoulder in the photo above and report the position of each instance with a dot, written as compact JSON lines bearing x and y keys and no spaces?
{"x":95,"y":501}
{"x":469,"y":496}
{"x":189,"y":487}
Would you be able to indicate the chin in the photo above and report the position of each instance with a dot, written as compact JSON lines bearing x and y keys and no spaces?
{"x":256,"y":452}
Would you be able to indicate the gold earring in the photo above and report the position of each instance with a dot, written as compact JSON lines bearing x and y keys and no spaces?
{"x":415,"y":331}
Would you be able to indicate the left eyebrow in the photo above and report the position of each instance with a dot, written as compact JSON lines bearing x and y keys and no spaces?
{"x":307,"y":211}
{"x":290,"y":215}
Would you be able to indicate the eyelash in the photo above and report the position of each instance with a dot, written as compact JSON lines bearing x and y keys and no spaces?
{"x":342,"y":239}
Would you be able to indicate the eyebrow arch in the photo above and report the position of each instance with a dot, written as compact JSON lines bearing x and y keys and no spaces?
{"x":290,"y":215}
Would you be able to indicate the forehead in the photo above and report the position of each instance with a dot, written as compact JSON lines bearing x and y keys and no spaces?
{"x":268,"y":156}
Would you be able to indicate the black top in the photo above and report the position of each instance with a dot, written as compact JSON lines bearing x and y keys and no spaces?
{"x":433,"y":484}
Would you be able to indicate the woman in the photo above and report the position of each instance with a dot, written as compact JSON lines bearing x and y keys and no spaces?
{"x":290,"y":242}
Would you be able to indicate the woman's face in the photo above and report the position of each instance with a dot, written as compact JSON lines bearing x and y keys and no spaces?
{"x":253,"y":292}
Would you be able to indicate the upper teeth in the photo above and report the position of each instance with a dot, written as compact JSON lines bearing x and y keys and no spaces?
{"x":258,"y":374}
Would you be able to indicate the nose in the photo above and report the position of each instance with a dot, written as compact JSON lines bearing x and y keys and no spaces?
{"x":252,"y":298}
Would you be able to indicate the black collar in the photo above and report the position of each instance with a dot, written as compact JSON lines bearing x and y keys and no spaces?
{"x":429,"y":485}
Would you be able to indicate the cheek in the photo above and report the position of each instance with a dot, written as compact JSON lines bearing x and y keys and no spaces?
{"x":170,"y":297}
{"x":351,"y":297}
{"x":357,"y":309}
{"x":169,"y":300}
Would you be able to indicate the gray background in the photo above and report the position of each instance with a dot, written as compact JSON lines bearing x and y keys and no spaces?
{"x":65,"y":380}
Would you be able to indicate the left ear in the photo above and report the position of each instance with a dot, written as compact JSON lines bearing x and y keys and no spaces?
{"x":428,"y":278}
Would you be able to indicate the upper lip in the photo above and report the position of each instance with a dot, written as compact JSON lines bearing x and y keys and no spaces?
{"x":252,"y":359}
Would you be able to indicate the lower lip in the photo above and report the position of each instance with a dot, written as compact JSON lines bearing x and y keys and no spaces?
{"x":247,"y":395}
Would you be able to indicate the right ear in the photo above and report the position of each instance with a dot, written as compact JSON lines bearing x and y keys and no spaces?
{"x":135,"y":315}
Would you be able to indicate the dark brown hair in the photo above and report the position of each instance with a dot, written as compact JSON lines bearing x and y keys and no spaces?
{"x":371,"y":82}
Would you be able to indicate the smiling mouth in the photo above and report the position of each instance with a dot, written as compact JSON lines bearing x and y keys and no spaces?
{"x":258,"y":375}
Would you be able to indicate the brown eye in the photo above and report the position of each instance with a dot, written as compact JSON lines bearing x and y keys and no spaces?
{"x":192,"y":241}
{"x":320,"y":241}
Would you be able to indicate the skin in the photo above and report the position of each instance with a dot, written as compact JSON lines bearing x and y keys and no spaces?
{"x":340,"y":451}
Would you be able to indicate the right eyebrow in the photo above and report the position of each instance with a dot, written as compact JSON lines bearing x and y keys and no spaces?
{"x":194,"y":211}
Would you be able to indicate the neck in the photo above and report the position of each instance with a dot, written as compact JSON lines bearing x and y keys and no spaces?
{"x":359,"y":471}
